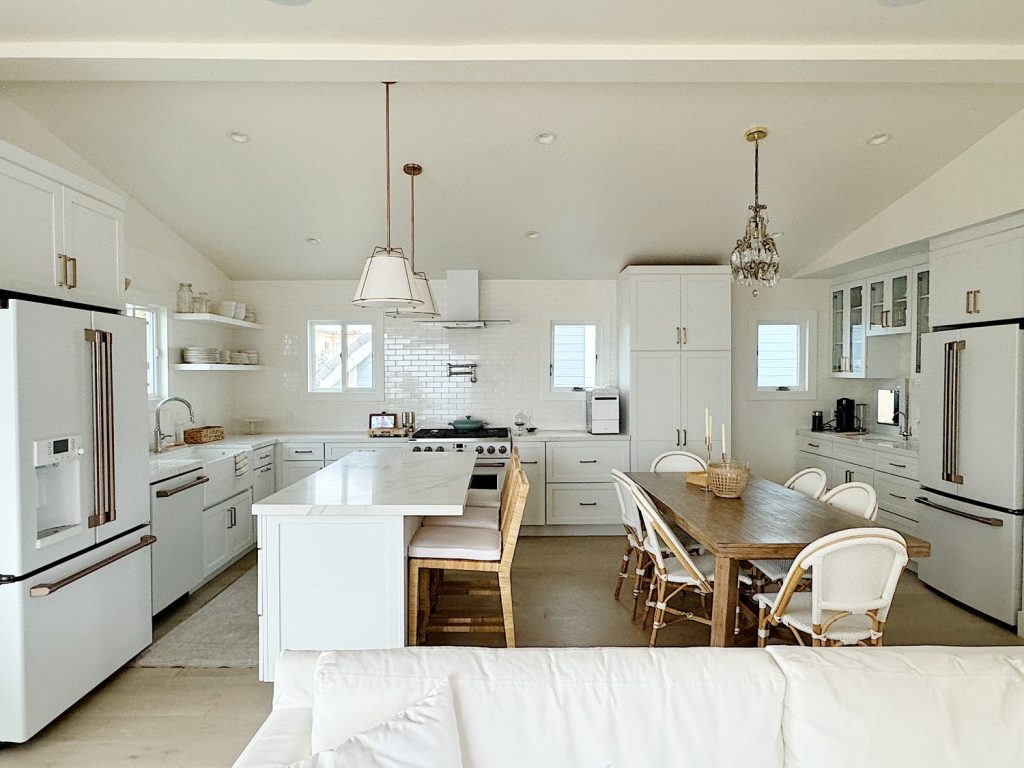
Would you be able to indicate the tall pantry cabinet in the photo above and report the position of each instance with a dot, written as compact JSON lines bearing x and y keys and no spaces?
{"x":675,"y":358}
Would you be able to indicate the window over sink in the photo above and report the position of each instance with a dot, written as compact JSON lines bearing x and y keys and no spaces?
{"x":156,"y":344}
{"x":574,"y":356}
{"x":344,"y":358}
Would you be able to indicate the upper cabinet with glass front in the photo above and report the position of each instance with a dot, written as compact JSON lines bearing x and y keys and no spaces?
{"x":849,"y":317}
{"x":889,"y":303}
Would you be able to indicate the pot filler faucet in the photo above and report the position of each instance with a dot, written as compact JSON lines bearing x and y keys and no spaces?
{"x":158,"y":434}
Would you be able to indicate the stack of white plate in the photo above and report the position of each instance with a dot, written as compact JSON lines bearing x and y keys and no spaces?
{"x":225,"y":356}
{"x":253,"y":355}
{"x":239,"y":358}
{"x":250,"y":314}
{"x":239,"y":310}
{"x":200,"y":354}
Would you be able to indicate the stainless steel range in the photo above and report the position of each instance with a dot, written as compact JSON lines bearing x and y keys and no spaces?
{"x":492,"y":445}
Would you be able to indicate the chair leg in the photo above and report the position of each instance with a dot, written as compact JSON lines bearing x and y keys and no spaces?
{"x":505,"y":587}
{"x":427,"y":602}
{"x":412,"y":630}
{"x":648,"y":603}
{"x":624,"y":571}
{"x":638,"y":579}
{"x":762,"y":626}
{"x":659,"y":614}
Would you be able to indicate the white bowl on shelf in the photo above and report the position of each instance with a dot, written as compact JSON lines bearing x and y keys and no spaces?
{"x":226,"y":308}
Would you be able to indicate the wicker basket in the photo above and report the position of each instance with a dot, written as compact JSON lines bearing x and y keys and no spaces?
{"x":204,"y":434}
{"x":728,"y":481}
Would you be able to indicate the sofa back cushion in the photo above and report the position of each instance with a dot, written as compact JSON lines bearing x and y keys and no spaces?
{"x":898,"y":707}
{"x":696,"y":707}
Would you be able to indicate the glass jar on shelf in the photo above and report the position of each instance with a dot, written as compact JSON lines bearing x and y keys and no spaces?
{"x":201,"y":303}
{"x":185,"y":299}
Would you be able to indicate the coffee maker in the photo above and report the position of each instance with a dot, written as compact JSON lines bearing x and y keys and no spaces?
{"x":845,"y":418}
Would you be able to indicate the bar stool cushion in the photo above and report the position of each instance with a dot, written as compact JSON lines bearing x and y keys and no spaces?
{"x":483,"y":497}
{"x":449,"y":542}
{"x":471,"y":517}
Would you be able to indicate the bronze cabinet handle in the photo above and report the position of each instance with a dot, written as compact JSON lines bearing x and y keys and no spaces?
{"x":62,"y":281}
{"x":74,"y":271}
{"x":977,"y":303}
{"x":164,"y":493}
{"x":995,"y":522}
{"x":686,"y":336}
{"x":588,"y":503}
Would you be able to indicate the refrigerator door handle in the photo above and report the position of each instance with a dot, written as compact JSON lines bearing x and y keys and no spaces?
{"x":103,"y":426}
{"x":44,"y":590}
{"x":995,"y":522}
{"x":951,"y":412}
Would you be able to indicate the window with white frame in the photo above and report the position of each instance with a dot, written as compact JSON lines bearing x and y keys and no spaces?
{"x":574,"y":355}
{"x":785,"y":353}
{"x":343,"y":357}
{"x":156,"y":360}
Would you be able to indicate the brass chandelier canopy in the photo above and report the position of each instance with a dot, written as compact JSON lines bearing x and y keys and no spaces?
{"x":755,"y":259}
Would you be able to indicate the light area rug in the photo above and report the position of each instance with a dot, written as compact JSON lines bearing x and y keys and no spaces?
{"x":222,"y":633}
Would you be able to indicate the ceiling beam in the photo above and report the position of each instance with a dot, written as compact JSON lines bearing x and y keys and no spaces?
{"x":213,"y":62}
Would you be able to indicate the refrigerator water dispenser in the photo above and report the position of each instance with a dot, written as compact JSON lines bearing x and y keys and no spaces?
{"x":58,"y":487}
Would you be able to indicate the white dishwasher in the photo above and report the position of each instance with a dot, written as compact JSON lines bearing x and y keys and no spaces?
{"x":176,"y":506}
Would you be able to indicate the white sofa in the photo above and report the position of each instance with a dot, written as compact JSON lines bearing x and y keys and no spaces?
{"x":689,"y":707}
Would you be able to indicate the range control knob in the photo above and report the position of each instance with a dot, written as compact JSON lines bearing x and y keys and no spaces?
{"x":479,"y":449}
{"x":440,"y":449}
{"x":428,"y":449}
{"x":502,"y":449}
{"x":490,"y":449}
{"x":416,"y":449}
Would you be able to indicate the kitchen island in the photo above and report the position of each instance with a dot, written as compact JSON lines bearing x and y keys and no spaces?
{"x":332,"y":549}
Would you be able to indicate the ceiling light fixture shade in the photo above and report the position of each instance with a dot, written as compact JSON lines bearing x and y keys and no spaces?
{"x":421,"y":284}
{"x":755,"y":259}
{"x":387,"y":279}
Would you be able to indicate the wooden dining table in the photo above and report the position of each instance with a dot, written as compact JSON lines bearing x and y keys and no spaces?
{"x":768,"y":522}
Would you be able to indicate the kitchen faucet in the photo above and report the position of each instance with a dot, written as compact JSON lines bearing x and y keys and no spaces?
{"x":158,"y":434}
{"x":905,"y":432}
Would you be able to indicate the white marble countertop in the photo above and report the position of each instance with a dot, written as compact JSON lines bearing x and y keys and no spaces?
{"x":563,"y":435}
{"x":870,"y":440}
{"x":388,"y":483}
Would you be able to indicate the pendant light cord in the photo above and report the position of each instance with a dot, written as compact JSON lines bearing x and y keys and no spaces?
{"x":757,"y":147}
{"x":387,"y":149}
{"x":412,"y":219}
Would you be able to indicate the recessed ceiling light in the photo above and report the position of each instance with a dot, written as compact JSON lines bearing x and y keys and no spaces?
{"x":898,"y":3}
{"x":533,"y":234}
{"x":545,"y":137}
{"x":314,"y":240}
{"x":238,"y":137}
{"x":878,"y":139}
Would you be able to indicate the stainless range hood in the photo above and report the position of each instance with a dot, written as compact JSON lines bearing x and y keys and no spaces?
{"x":462,"y":308}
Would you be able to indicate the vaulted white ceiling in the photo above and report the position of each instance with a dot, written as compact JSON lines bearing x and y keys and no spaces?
{"x":641,"y":172}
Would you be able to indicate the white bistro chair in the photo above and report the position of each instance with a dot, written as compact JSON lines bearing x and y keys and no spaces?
{"x":855,"y":498}
{"x":855,"y":576}
{"x":810,"y":482}
{"x":678,"y":461}
{"x":676,"y":574}
{"x":634,"y":527}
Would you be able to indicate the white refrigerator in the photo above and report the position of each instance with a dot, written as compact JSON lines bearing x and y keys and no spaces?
{"x":971,"y":505}
{"x":75,"y":588}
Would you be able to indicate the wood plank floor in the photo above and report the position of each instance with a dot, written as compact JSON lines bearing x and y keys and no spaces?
{"x":199,"y":718}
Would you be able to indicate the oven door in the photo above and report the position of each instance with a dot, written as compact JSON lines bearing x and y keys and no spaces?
{"x":489,"y":473}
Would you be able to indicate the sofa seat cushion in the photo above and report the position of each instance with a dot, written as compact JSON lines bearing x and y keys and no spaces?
{"x":483,"y":497}
{"x":471,"y":517}
{"x":696,"y":707}
{"x":898,"y":707}
{"x":447,"y":542}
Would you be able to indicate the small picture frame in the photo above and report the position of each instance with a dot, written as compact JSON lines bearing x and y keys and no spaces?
{"x":383,"y":420}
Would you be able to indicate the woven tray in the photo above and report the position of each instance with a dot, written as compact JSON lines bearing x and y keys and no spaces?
{"x":204,"y":434}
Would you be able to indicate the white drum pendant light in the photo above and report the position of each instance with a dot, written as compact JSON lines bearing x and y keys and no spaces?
{"x":387,"y":279}
{"x":420,"y":284}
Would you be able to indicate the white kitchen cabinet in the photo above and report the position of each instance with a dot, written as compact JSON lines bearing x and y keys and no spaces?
{"x":227,"y":532}
{"x":805,"y":460}
{"x":63,"y":236}
{"x":241,"y":529}
{"x":93,"y":234}
{"x":680,"y":311}
{"x":293,"y":471}
{"x":532,"y":456}
{"x":848,"y":329}
{"x":977,"y":274}
{"x":889,"y":307}
{"x":922,"y":312}
{"x":585,"y":461}
{"x":262,"y":482}
{"x":582,"y":504}
{"x":30,"y":219}
{"x":845,"y":472}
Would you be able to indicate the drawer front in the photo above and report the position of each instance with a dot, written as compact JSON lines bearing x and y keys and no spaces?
{"x":814,"y":445}
{"x":585,"y":462}
{"x":898,"y":522}
{"x":843,"y":472}
{"x":903,"y":466}
{"x":302,"y":451}
{"x":263,"y":456}
{"x":853,"y":454}
{"x":896,"y":495}
{"x":582,"y":504}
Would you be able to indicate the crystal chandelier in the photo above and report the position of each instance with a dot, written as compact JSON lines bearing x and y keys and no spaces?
{"x":387,"y":279}
{"x":421,"y":284}
{"x":755,"y":259}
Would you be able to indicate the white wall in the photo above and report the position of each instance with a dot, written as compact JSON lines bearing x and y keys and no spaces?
{"x":156,"y":260}
{"x":981,"y":184}
{"x":512,"y":359}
